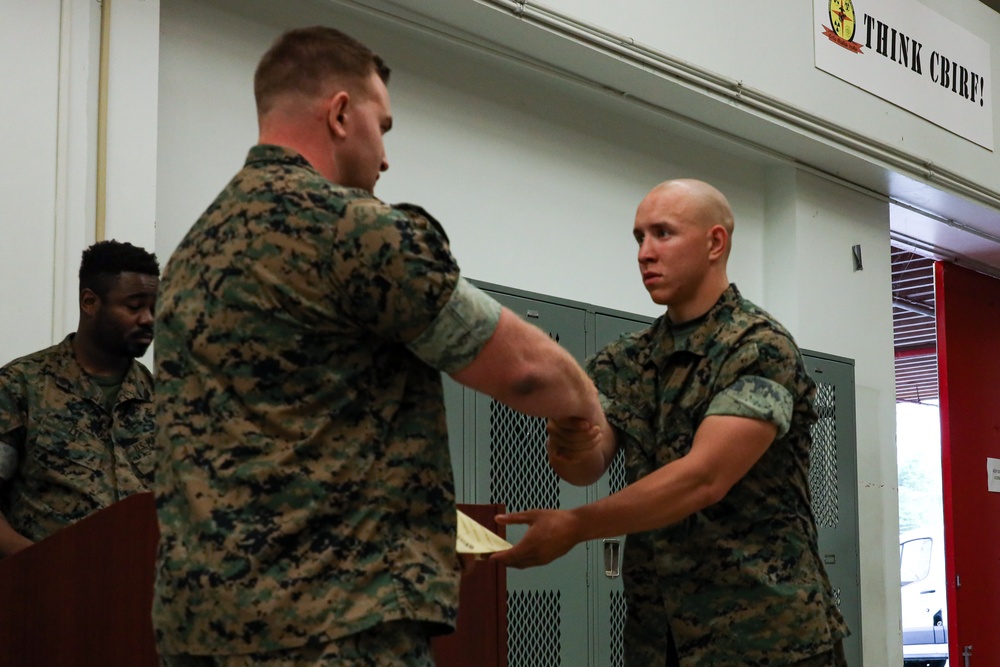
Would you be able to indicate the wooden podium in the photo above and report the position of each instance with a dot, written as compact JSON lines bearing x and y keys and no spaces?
{"x":480,"y":639}
{"x":82,"y":597}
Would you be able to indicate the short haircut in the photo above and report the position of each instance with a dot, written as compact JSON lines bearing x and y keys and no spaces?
{"x":104,"y":261}
{"x":303,"y":60}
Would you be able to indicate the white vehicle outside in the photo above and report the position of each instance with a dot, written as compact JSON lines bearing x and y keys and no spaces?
{"x":924,"y":601}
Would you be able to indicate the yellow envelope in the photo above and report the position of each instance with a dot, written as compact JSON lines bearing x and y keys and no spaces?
{"x":475,"y":538}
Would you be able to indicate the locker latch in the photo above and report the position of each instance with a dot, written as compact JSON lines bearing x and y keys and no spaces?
{"x":612,"y":558}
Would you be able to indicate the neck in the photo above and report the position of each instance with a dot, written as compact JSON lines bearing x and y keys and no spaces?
{"x":706,"y":296}
{"x":311,"y":140}
{"x":96,"y":361}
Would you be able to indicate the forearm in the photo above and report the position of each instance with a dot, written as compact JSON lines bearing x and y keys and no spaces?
{"x":551,"y":384}
{"x":657,"y":500}
{"x":660,"y":499}
{"x":665,"y":496}
{"x":523,"y":368}
{"x":724,"y":450}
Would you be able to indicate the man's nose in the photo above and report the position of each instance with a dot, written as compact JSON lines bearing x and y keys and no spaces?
{"x":645,"y":251}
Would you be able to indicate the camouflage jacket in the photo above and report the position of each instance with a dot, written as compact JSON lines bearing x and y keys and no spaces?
{"x":740,"y":582}
{"x":305,"y":487}
{"x":74,"y":458}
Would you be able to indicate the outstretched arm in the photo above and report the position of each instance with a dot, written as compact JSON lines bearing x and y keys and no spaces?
{"x":523,"y":368}
{"x":723,"y":451}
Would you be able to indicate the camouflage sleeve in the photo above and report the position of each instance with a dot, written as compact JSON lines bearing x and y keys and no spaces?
{"x":755,"y":397}
{"x":13,"y":411}
{"x":759,"y":379}
{"x":622,"y":388}
{"x":394,"y":267}
{"x":455,"y":338}
{"x":604,"y":372}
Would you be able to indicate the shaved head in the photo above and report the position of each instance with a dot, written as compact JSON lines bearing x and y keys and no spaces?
{"x":707,"y":206}
{"x":684,"y":230}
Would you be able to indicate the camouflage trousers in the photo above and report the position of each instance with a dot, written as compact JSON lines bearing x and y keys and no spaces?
{"x":834,"y":658}
{"x":645,"y":649}
{"x":396,"y":644}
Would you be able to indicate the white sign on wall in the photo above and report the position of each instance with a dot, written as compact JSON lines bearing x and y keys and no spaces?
{"x":911,"y":56}
{"x":993,"y":475}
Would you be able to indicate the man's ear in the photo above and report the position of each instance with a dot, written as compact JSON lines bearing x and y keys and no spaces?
{"x":336,"y":113}
{"x":718,"y":238}
{"x":89,"y":301}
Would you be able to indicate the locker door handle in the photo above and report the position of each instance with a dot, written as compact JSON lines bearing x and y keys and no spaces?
{"x":612,"y":558}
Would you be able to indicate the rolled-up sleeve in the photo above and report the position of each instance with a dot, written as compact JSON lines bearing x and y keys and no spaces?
{"x":755,"y":397}
{"x":460,"y":330}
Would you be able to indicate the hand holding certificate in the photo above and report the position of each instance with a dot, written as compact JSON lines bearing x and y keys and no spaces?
{"x":474,"y":538}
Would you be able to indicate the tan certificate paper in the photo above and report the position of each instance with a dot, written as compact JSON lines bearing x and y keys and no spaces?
{"x":475,"y":538}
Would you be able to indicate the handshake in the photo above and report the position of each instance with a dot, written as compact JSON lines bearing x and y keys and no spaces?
{"x":579,"y":450}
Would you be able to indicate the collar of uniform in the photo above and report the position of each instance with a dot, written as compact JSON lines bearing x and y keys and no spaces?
{"x":69,"y":374}
{"x":71,"y":377}
{"x":133,"y":388}
{"x":698,"y":339}
{"x":274,"y":153}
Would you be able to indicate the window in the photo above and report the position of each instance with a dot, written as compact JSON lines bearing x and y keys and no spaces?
{"x":914,"y":560}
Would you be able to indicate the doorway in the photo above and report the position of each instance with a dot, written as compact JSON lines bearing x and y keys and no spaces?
{"x":918,"y":456}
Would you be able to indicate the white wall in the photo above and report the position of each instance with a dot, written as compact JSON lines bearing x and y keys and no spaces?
{"x":769,"y":47}
{"x":29,"y":36}
{"x":132,"y":105}
{"x":206,"y":120}
{"x":48,"y":128}
{"x":536,"y":185}
{"x":813,"y":288}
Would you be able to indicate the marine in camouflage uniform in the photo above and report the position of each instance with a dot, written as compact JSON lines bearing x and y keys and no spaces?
{"x":740,"y":582}
{"x":305,"y":489}
{"x":305,"y":494}
{"x":69,"y":451}
{"x":711,"y":408}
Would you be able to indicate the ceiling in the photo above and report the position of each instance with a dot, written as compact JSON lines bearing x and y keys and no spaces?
{"x":913,"y":326}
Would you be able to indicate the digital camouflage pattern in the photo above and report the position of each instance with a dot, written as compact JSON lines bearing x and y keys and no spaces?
{"x":305,"y":489}
{"x":396,"y":644}
{"x":740,"y":582}
{"x":73,"y":456}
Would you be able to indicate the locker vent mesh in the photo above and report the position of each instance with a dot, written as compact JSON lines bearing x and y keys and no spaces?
{"x":823,"y":459}
{"x":520,"y":476}
{"x":533,"y":619}
{"x":617,"y":659}
{"x":616,"y":473}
